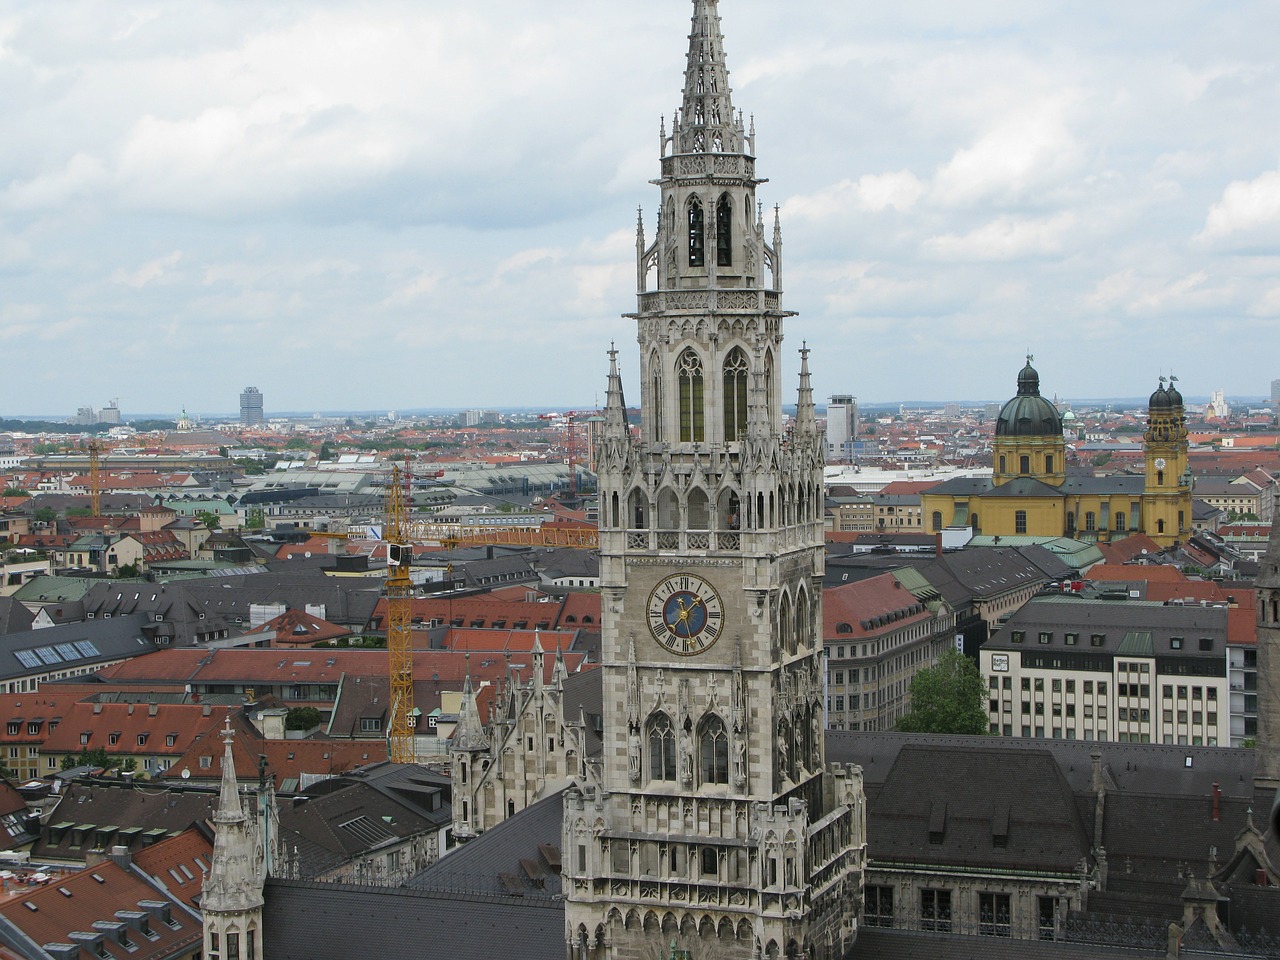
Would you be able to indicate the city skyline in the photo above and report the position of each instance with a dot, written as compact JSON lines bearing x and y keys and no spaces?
{"x":427,"y":209}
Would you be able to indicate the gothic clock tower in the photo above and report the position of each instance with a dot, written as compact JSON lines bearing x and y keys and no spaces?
{"x":718,"y":829}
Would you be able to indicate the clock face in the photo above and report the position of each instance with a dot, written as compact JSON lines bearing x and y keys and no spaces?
{"x":685,"y":614}
{"x":1159,"y":463}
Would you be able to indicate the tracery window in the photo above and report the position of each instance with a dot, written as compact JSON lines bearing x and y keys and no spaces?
{"x":724,"y":232}
{"x":655,"y":395}
{"x":697,"y":233}
{"x":735,"y":395}
{"x":713,"y":743}
{"x":662,"y":748}
{"x":692,"y":427}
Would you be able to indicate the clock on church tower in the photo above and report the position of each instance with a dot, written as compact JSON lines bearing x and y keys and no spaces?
{"x":717,"y":816}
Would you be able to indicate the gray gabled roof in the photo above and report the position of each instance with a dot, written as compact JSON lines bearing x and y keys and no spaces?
{"x":513,"y":858}
{"x":72,"y":646}
{"x":331,"y":921}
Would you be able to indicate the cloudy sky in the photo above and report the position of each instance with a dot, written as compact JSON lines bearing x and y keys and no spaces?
{"x":394,"y":204}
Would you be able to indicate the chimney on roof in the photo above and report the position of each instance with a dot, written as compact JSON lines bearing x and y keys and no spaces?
{"x":937,"y":544}
{"x":121,"y":857}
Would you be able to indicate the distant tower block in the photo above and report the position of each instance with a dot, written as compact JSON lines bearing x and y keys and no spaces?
{"x":251,"y":406}
{"x":842,"y":427}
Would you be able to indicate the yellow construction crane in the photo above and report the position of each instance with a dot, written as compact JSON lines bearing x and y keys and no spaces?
{"x":95,"y":478}
{"x":399,"y":623}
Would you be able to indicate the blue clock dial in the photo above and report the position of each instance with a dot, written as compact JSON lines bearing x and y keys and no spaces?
{"x":685,"y":614}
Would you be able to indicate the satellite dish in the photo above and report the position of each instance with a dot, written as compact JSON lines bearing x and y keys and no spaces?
{"x":186,"y":773}
{"x":307,"y":554}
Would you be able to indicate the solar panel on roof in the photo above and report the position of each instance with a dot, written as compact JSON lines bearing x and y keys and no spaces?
{"x":48,"y":655}
{"x":87,"y":648}
{"x":68,"y":651}
{"x":27,"y":658}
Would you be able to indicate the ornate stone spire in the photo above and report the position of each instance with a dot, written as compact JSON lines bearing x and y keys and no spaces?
{"x":707,"y":123}
{"x":806,"y":420}
{"x":469,"y":735}
{"x":234,"y":881}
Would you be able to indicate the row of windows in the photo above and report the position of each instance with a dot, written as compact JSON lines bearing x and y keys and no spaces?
{"x":1071,"y":638}
{"x":995,"y":914}
{"x":1087,"y":733}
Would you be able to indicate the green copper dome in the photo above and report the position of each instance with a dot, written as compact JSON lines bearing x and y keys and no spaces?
{"x":1028,"y":414}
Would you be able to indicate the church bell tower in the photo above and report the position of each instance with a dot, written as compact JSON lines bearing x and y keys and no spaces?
{"x":718,"y":828}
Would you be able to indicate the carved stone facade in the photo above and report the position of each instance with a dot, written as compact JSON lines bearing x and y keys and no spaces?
{"x":717,"y":827}
{"x":530,"y":750}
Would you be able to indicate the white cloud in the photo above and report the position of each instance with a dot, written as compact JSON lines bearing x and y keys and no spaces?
{"x":149,"y":272}
{"x":1246,"y":206}
{"x":463,"y":182}
{"x":1006,"y":238}
{"x":1019,"y":154}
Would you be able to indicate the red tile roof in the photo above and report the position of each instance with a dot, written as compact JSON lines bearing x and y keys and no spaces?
{"x":868,"y":608}
{"x":286,"y":759}
{"x":1128,"y":548}
{"x":96,"y":893}
{"x":297,"y":628}
{"x":1147,"y":573}
{"x":128,"y":723}
{"x":165,"y":860}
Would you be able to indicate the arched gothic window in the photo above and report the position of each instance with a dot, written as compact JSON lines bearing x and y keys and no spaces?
{"x":713,"y":750}
{"x":697,"y":233}
{"x":724,"y":232}
{"x":786,"y":625}
{"x":662,"y":748}
{"x":735,"y":395}
{"x":802,"y":619}
{"x":937,"y":520}
{"x":655,"y":395}
{"x":692,"y":428}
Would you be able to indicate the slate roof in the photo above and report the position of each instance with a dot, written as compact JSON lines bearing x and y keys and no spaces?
{"x":352,"y":818}
{"x":14,"y":617}
{"x":139,"y":815}
{"x":332,"y":921}
{"x":876,"y":943}
{"x":1113,"y":620}
{"x":518,"y":857}
{"x":976,"y":807}
{"x":1139,"y":768}
{"x":73,"y":646}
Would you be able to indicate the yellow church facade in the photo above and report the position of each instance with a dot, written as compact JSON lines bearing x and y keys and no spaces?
{"x":1030,"y":493}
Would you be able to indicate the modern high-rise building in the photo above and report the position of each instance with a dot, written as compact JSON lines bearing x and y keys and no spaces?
{"x":718,"y":828}
{"x":251,"y":406}
{"x":842,"y":427}
{"x":1275,"y":394}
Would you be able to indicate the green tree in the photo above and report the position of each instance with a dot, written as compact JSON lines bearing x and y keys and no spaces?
{"x":298,"y":443}
{"x":15,"y":492}
{"x":209,"y":519}
{"x":255,"y":519}
{"x":45,"y":515}
{"x":947,"y":698}
{"x":302,"y":718}
{"x":130,"y":571}
{"x":326,"y":452}
{"x":79,"y":512}
{"x":1101,"y":458}
{"x":98,"y":757}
